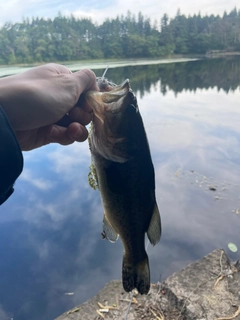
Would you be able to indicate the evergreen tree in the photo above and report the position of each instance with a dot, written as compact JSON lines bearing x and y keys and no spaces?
{"x":68,"y":38}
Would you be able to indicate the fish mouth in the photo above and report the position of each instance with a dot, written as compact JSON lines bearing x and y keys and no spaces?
{"x":110,"y":99}
{"x":108,"y":123}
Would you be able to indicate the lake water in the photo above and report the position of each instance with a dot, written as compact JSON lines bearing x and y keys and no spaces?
{"x":97,"y":64}
{"x":50,"y":229}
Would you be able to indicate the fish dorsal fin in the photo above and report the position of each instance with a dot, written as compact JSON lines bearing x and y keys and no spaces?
{"x":154,"y":229}
{"x":108,"y":230}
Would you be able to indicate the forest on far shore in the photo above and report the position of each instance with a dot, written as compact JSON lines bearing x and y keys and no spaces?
{"x":130,"y":36}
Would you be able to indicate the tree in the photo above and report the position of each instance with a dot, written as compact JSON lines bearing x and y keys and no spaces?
{"x":68,"y":38}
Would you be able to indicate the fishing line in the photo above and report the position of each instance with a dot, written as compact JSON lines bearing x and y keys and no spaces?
{"x":129,"y":306}
{"x":104,"y":73}
{"x":130,"y":303}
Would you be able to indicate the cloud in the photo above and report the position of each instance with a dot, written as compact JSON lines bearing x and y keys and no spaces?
{"x":193,"y":119}
{"x":65,"y":159}
{"x":15,"y":10}
{"x":3,"y":314}
{"x":155,"y":9}
{"x":40,"y":183}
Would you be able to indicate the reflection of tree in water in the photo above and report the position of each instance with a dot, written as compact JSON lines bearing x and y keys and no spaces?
{"x":202,"y":74}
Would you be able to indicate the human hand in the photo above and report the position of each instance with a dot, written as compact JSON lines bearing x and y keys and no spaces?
{"x":37,"y":99}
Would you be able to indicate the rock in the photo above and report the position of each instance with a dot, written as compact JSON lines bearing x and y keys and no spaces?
{"x":212,"y":188}
{"x":204,"y":293}
{"x":204,"y":290}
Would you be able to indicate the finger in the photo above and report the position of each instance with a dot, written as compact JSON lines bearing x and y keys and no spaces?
{"x":86,"y":80}
{"x":82,"y":102}
{"x":65,"y":136}
{"x":59,"y":135}
{"x":77,"y":132}
{"x":77,"y":114}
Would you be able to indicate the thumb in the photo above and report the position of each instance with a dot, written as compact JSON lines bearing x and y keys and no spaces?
{"x":86,"y":80}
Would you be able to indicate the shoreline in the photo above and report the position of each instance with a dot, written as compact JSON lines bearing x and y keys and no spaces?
{"x":206,"y":289}
{"x":7,"y":70}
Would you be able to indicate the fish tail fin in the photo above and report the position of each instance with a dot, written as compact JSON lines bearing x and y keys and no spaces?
{"x":136,"y":276}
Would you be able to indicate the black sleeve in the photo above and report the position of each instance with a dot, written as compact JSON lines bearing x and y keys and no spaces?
{"x":11,"y":159}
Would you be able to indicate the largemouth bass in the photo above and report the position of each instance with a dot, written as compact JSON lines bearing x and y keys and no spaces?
{"x":123,"y":171}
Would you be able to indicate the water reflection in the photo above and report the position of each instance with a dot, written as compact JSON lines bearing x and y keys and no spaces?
{"x":50,"y":241}
{"x":179,"y":77}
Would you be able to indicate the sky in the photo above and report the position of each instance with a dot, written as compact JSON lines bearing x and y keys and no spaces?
{"x":15,"y":10}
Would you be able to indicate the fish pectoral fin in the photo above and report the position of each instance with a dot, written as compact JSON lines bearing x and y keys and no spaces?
{"x":154,"y":229}
{"x":108,"y":230}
